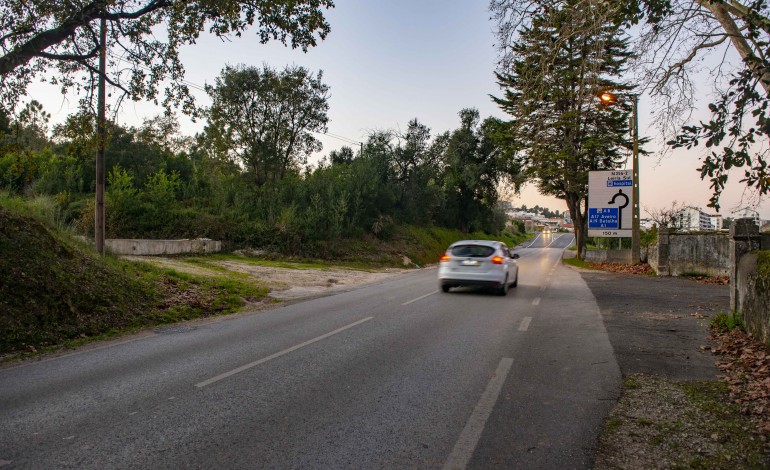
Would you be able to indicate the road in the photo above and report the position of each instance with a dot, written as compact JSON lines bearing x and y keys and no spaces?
{"x":391,"y":375}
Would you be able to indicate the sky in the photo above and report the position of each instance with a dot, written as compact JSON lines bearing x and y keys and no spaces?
{"x":389,"y":62}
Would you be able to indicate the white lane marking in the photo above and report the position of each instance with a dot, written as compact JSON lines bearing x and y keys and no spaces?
{"x":553,"y":241}
{"x":469,"y":437}
{"x":536,"y":301}
{"x":525,"y":324}
{"x":542,"y":288}
{"x":419,"y":298}
{"x":533,"y":240}
{"x":278,"y":354}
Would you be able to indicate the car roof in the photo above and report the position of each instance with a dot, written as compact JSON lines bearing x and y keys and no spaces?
{"x":490,"y":243}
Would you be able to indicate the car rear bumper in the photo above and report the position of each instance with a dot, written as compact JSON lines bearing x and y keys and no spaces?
{"x":452,"y":279}
{"x":469,"y":282}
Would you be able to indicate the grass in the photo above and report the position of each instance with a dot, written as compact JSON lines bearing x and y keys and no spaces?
{"x":726,"y":425}
{"x":694,"y":274}
{"x":210,"y":262}
{"x":578,"y":263}
{"x":56,"y":292}
{"x":724,"y":322}
{"x":660,"y":423}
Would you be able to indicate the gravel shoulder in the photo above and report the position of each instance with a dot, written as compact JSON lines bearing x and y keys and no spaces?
{"x":675,"y":410}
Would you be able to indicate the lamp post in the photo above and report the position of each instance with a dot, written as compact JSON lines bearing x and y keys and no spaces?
{"x":607,"y":97}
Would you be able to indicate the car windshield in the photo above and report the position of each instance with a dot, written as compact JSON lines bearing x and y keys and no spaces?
{"x":474,"y":251}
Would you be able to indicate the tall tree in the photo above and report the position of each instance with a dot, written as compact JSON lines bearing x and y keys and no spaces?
{"x":265,"y":118}
{"x":37,"y":36}
{"x":472,"y":174}
{"x":558,"y":131}
{"x":673,"y":36}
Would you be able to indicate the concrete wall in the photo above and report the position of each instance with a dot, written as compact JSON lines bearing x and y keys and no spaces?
{"x":608,"y":256}
{"x":704,"y":253}
{"x":161,"y":247}
{"x":753,"y":297}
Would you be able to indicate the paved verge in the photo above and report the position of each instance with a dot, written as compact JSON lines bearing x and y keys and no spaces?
{"x":656,"y":325}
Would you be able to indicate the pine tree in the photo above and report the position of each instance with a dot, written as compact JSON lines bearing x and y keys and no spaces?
{"x":559,"y":131}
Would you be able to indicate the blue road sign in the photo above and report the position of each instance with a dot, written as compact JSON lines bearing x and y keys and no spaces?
{"x":603,"y":218}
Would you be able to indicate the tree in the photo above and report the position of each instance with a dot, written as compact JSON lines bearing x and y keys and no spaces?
{"x":42,"y":35}
{"x":29,"y":131}
{"x":558,"y":131}
{"x":472,"y":174}
{"x":673,"y":37}
{"x":342,"y":156}
{"x":264,"y":118}
{"x":667,"y":216}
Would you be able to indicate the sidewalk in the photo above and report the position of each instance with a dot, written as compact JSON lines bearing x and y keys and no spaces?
{"x":656,"y":325}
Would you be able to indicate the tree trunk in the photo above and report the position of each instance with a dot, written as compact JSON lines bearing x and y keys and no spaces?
{"x":739,"y":41}
{"x":578,"y":222}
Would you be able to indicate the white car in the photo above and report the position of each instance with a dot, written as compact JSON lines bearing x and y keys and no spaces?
{"x":478,"y":263}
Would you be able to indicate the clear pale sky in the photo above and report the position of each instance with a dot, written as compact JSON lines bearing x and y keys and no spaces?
{"x":389,"y":62}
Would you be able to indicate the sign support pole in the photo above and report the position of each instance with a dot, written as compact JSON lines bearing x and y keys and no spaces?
{"x":635,"y":248}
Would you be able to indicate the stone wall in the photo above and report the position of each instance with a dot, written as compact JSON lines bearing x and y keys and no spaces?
{"x":702,"y":253}
{"x":608,"y":256}
{"x":752,"y":292}
{"x":750,"y":277}
{"x":161,"y":247}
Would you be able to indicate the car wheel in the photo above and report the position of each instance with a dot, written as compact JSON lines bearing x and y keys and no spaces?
{"x":445,"y":288}
{"x":515,"y":281}
{"x":503,"y":290}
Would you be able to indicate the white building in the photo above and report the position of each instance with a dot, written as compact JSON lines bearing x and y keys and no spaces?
{"x":716,"y":221}
{"x":747,"y":213}
{"x":692,"y":219}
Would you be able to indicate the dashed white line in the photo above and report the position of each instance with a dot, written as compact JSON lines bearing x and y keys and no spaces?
{"x":469,"y":437}
{"x":278,"y":354}
{"x":533,"y":241}
{"x":542,"y":288}
{"x":525,"y":324}
{"x":536,"y":301}
{"x":419,"y":298}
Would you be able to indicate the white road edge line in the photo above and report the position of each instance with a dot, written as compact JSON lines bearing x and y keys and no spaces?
{"x":469,"y":437}
{"x":525,"y":324}
{"x":278,"y":354}
{"x":419,"y":298}
{"x":536,"y":301}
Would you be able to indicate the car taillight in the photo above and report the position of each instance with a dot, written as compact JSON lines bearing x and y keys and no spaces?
{"x":445,"y":258}
{"x":497,"y":259}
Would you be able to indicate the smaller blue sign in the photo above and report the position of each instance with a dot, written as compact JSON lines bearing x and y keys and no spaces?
{"x":603,"y":218}
{"x":616,"y":183}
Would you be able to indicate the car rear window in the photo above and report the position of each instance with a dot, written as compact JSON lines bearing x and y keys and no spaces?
{"x":475,"y":251}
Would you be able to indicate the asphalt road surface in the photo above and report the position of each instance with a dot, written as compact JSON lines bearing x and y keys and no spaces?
{"x":391,"y":375}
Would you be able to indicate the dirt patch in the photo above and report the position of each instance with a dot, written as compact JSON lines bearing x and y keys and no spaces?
{"x":284,"y":283}
{"x":292,"y":284}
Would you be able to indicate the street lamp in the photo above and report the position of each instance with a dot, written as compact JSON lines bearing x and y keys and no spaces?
{"x":607,"y":97}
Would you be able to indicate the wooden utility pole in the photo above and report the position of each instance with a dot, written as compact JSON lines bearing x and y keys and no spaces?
{"x":101,"y":139}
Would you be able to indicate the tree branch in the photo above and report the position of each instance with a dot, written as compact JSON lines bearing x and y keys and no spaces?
{"x":36,"y":46}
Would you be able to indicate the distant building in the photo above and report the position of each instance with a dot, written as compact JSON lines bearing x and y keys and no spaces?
{"x":747,"y":213}
{"x":692,"y":219}
{"x":716,"y":221}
